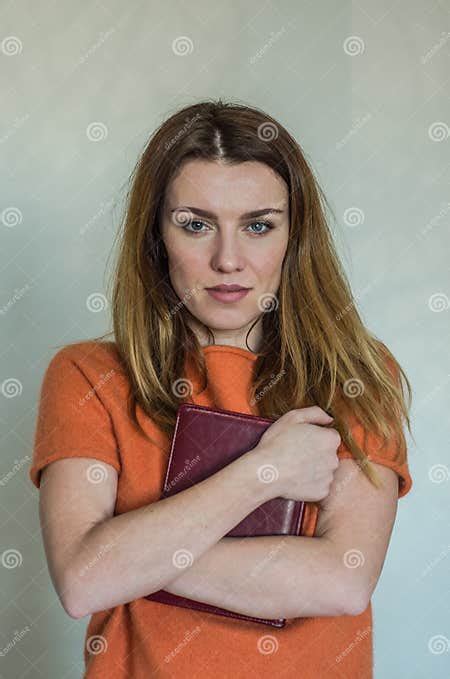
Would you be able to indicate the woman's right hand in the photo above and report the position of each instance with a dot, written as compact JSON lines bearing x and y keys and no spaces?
{"x":298,"y":455}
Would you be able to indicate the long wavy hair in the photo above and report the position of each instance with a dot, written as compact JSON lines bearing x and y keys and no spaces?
{"x":313,"y":336}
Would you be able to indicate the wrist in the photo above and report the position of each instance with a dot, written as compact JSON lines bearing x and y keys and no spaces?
{"x":260,"y":475}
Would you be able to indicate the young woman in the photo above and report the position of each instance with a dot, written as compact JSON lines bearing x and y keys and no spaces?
{"x":223,"y":195}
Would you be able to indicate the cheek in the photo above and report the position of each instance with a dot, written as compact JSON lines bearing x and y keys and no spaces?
{"x":185,"y":266}
{"x":268,"y":264}
{"x":183,"y":257}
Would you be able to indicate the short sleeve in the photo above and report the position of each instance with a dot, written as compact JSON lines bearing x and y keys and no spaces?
{"x":72,"y":420}
{"x":387,"y":455}
{"x":392,"y":451}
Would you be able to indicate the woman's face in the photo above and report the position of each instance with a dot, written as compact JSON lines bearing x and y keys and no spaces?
{"x":211,"y":240}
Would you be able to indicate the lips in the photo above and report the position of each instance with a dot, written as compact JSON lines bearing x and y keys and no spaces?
{"x":228,"y":288}
{"x":227,"y":295}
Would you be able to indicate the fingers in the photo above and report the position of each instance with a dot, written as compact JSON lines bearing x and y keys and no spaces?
{"x":311,"y":415}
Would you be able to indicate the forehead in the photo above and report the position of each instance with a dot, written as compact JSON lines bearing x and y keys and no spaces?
{"x":216,"y":186}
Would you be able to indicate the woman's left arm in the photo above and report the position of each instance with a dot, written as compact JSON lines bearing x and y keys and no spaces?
{"x":332,"y":573}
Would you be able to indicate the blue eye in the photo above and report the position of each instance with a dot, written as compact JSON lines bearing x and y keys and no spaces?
{"x":268,"y":226}
{"x":194,"y":221}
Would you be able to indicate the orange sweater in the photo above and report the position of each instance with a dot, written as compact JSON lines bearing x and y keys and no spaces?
{"x":82,"y":413}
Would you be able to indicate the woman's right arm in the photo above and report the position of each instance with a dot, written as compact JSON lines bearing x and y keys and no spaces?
{"x":98,"y":561}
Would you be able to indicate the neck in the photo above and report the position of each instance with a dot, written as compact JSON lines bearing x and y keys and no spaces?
{"x":232,"y":338}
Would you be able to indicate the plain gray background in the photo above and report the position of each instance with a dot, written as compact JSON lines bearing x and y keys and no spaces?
{"x":364,"y":88}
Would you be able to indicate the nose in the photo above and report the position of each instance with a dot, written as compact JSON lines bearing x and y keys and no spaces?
{"x":227,"y":254}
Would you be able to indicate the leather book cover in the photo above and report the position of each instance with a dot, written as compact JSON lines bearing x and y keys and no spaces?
{"x":205,"y":440}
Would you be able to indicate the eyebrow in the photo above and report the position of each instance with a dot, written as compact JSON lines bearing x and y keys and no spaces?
{"x":246,"y":215}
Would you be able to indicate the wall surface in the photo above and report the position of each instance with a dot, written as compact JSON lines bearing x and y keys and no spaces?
{"x":364,"y":88}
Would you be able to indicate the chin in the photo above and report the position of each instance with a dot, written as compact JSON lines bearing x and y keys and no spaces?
{"x":227,"y":319}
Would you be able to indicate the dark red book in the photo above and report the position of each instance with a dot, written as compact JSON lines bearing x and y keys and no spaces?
{"x":205,"y":440}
